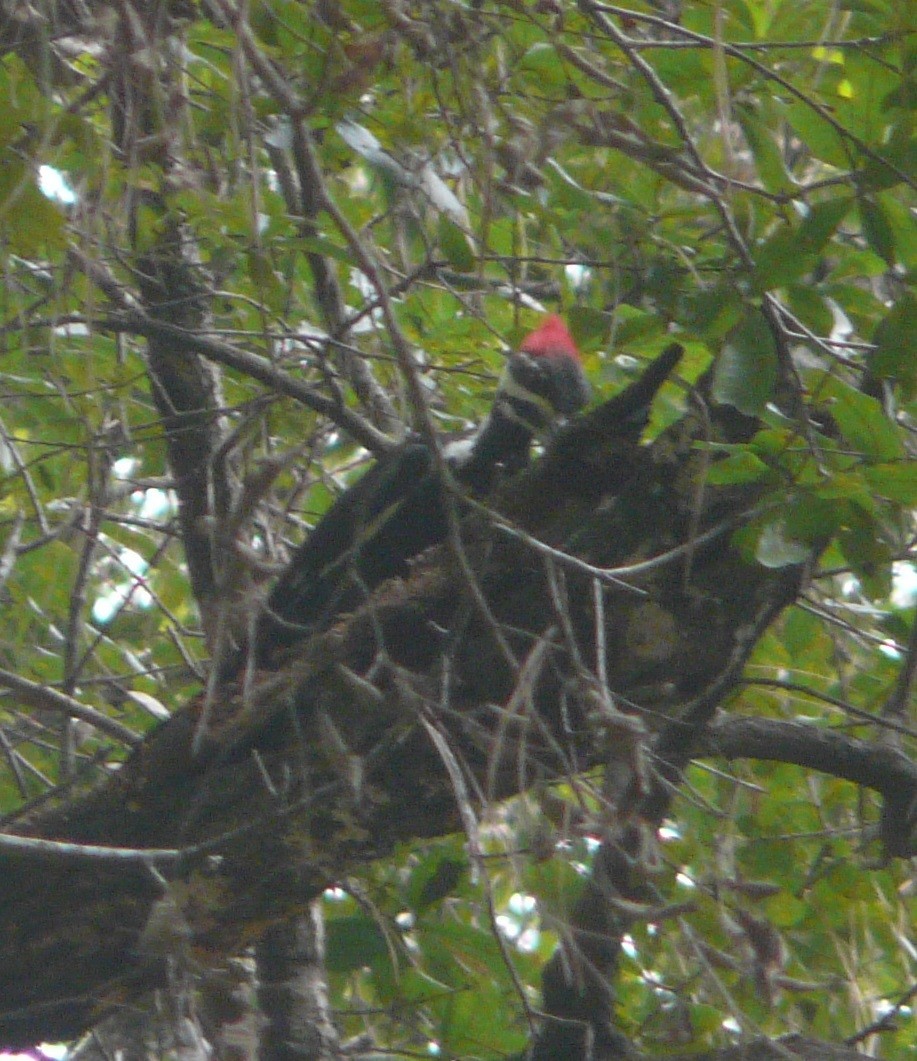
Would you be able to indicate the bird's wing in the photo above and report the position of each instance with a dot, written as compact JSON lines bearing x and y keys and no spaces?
{"x":367,"y":536}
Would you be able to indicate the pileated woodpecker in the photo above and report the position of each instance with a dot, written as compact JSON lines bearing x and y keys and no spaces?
{"x":397,"y":509}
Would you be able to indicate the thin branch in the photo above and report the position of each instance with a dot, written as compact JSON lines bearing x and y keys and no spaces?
{"x":856,"y":44}
{"x":22,"y":470}
{"x":58,"y":849}
{"x":10,"y":551}
{"x":901,"y":699}
{"x":617,"y":575}
{"x":847,"y":708}
{"x":47,"y":699}
{"x":471,"y":825}
{"x":257,"y":367}
{"x":737,"y":52}
{"x":327,"y":289}
{"x":15,"y":762}
{"x":887,"y":1022}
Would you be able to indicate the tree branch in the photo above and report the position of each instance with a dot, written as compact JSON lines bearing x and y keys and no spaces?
{"x":887,"y":770}
{"x":257,"y":367}
{"x":264,"y":809}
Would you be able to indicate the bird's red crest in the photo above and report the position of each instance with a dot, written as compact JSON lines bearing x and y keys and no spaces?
{"x":551,"y":338}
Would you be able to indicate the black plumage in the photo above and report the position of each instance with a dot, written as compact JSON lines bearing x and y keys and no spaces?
{"x":399,"y":508}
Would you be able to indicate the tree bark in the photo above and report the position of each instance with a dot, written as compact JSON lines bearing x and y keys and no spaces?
{"x":250,"y":805}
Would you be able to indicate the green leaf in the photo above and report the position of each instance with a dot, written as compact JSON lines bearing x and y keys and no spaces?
{"x":705,"y":1019}
{"x":813,"y":517}
{"x":895,"y":338}
{"x":767,"y":154}
{"x":775,"y":549}
{"x":877,"y":229}
{"x":811,"y":308}
{"x":540,"y":65}
{"x":791,"y":252}
{"x":740,"y":467}
{"x":780,"y":260}
{"x":588,"y":326}
{"x":896,"y":482}
{"x":30,"y":224}
{"x":863,"y":423}
{"x":849,"y":487}
{"x":800,"y":631}
{"x":785,"y":911}
{"x":746,"y":370}
{"x":817,"y":134}
{"x":435,"y":878}
{"x":903,"y":221}
{"x":900,"y":153}
{"x":868,"y":555}
{"x":323,"y":246}
{"x":821,"y":222}
{"x":712,"y":312}
{"x":632,"y":325}
{"x":455,"y":245}
{"x":265,"y":279}
{"x":354,"y":942}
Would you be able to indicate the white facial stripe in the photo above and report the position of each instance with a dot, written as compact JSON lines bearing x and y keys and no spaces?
{"x":510,"y":411}
{"x":510,"y":388}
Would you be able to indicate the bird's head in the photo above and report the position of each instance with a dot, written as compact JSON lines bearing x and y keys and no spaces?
{"x":544,"y":379}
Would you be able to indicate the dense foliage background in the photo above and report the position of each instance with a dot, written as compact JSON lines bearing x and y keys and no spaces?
{"x":351,"y":209}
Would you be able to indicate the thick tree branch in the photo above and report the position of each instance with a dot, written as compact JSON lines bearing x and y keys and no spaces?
{"x":887,"y":770}
{"x":326,"y":764}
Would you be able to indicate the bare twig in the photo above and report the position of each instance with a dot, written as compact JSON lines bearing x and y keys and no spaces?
{"x":899,"y":702}
{"x":738,"y":51}
{"x":47,"y":699}
{"x":58,"y":849}
{"x":258,"y":368}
